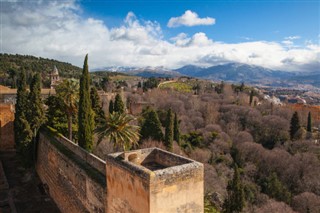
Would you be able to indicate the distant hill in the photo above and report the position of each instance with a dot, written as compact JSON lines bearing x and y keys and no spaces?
{"x":237,"y":72}
{"x":31,"y":64}
{"x":145,"y":72}
{"x":310,"y":78}
{"x":190,"y":70}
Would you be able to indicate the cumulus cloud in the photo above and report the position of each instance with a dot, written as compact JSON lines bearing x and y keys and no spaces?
{"x":56,"y":29}
{"x":190,"y":19}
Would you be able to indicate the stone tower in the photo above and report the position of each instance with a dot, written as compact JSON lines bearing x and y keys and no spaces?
{"x":153,"y":181}
{"x":54,"y":76}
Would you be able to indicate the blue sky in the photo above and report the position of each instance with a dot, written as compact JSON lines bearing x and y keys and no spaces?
{"x":235,"y":20}
{"x":281,"y":35}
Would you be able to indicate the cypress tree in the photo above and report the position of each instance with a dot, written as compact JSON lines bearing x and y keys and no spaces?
{"x":251,"y":97}
{"x":294,"y":125}
{"x":235,"y":199}
{"x":118,"y":104}
{"x":273,"y":187}
{"x":24,"y":147}
{"x":151,"y":127}
{"x":241,"y":88}
{"x":309,"y":125}
{"x":168,"y":138}
{"x":36,"y":115}
{"x":21,"y":107}
{"x":176,"y":130}
{"x":111,"y":110}
{"x":96,"y":106}
{"x":85,"y":114}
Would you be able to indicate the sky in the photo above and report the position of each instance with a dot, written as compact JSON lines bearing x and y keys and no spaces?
{"x":275,"y":34}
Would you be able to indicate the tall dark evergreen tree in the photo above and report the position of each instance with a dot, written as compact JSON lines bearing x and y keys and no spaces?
{"x":56,"y":116}
{"x":151,"y":127}
{"x":168,"y":138}
{"x":294,"y":125}
{"x":99,"y":115}
{"x":251,"y":97}
{"x":309,"y":125}
{"x":176,"y":130}
{"x":118,"y":104}
{"x":36,"y":115}
{"x":111,"y":105}
{"x":85,"y":114}
{"x":22,"y":130}
{"x":273,"y":187}
{"x":21,"y":108}
{"x":235,"y":200}
{"x":242,"y":86}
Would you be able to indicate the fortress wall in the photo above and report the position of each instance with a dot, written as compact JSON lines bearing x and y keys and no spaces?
{"x":91,"y":159}
{"x":180,"y":193}
{"x":127,"y":190}
{"x":72,"y":176}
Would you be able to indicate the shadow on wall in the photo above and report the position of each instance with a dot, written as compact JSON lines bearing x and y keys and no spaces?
{"x":6,"y":136}
{"x":6,"y":127}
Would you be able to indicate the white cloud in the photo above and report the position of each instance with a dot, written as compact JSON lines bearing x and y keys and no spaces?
{"x":133,"y":31}
{"x":292,"y":37}
{"x":287,"y":42}
{"x":190,"y":19}
{"x":55,"y":29}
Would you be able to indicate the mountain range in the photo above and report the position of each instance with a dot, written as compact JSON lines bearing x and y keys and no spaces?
{"x":237,"y":72}
{"x":231,"y":72}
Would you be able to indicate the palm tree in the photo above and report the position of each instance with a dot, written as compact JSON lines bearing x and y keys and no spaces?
{"x":68,"y":91}
{"x":118,"y":129}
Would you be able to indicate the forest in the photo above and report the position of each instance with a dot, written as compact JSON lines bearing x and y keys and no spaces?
{"x":11,"y":65}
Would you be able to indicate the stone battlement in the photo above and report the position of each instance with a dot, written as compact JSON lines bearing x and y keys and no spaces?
{"x":89,"y":158}
{"x":140,"y":181}
{"x":148,"y":178}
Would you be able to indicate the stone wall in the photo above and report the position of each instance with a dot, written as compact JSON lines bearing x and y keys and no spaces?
{"x":6,"y":127}
{"x":140,"y":181}
{"x":127,"y":191}
{"x":180,"y":191}
{"x":153,"y":180}
{"x":74,"y":178}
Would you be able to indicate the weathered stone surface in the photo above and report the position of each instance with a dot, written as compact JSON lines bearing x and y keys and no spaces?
{"x":140,"y":181}
{"x":71,"y":181}
{"x":174,"y":184}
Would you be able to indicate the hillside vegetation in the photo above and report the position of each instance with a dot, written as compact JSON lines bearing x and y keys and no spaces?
{"x":10,"y":65}
{"x":221,"y":128}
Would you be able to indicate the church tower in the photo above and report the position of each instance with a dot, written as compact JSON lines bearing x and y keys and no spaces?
{"x":54,"y":77}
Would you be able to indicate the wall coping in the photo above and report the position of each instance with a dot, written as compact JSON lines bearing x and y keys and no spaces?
{"x":183,"y":167}
{"x":83,"y":154}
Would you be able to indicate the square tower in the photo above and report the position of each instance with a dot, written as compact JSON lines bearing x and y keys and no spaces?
{"x":153,"y":181}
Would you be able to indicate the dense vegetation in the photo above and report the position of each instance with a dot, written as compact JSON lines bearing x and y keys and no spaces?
{"x":252,"y":164}
{"x":29,"y":116}
{"x":11,"y":65}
